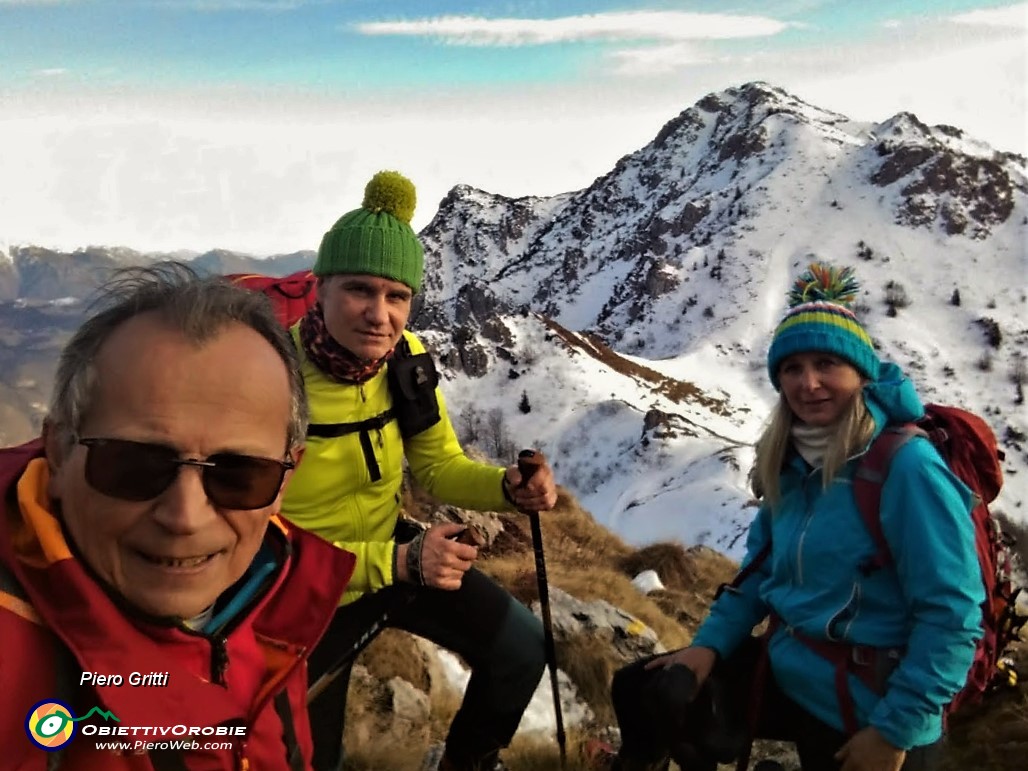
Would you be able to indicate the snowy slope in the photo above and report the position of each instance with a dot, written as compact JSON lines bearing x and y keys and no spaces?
{"x":679,"y":259}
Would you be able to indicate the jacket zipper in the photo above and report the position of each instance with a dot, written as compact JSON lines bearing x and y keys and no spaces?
{"x":810,"y":513}
{"x":219,"y":659}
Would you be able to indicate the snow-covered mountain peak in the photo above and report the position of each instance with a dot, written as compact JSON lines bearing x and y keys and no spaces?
{"x":677,"y":262}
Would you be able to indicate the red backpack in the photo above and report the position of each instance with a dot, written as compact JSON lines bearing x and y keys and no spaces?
{"x":969,"y":448}
{"x":292,"y":296}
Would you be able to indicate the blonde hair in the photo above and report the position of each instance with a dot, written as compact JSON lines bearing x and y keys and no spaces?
{"x":853,"y":431}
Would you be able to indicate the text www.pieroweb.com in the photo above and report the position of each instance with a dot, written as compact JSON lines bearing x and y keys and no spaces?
{"x":141,"y":745}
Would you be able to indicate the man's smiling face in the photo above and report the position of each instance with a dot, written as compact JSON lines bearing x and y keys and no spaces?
{"x":175,"y":554}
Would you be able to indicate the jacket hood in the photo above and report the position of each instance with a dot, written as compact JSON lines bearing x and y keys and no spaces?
{"x":891,"y":398}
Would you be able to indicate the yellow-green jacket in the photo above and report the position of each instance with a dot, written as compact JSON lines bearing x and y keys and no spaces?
{"x":332,"y":492}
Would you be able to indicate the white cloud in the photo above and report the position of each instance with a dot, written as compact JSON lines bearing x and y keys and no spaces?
{"x":939,"y":84}
{"x":657,"y":59}
{"x":639,"y":25}
{"x":51,"y":72}
{"x":1010,"y":16}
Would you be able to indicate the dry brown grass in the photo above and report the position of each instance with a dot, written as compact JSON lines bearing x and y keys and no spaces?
{"x":993,"y":736}
{"x":675,"y":390}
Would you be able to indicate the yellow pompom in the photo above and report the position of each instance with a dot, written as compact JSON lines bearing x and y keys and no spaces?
{"x":391,"y":192}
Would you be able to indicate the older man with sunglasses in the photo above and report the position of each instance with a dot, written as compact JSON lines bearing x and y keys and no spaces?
{"x":148,"y":590}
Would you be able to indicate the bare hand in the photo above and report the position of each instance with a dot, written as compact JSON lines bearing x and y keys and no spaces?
{"x":538,"y":494}
{"x":867,"y":750}
{"x":700,"y":660}
{"x":444,"y":561}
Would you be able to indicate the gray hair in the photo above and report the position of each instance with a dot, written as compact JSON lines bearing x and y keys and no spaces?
{"x":197,"y":306}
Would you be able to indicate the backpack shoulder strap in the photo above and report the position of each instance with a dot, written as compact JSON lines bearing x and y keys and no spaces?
{"x":868,"y":480}
{"x":402,"y":350}
{"x":285,"y":714}
{"x":412,"y":379}
{"x":751,"y":567}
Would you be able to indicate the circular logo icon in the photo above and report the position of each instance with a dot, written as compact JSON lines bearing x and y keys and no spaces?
{"x":50,"y":725}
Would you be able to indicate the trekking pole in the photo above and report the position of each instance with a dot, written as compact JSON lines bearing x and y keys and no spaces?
{"x":529,"y":462}
{"x":469,"y":535}
{"x":333,"y":672}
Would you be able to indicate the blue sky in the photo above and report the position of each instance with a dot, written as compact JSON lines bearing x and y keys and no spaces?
{"x":341,"y":48}
{"x":533,"y":97}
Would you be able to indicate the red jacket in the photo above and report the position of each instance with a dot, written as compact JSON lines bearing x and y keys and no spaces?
{"x":56,"y":622}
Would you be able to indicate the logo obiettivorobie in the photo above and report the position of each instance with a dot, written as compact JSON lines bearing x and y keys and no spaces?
{"x":51,"y":724}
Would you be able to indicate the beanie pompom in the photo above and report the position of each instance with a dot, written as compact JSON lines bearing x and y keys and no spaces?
{"x":820,"y":317}
{"x":391,"y":192}
{"x":825,"y":283}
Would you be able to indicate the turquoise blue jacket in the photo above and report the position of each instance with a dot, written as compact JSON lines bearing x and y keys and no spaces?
{"x":927,"y":602}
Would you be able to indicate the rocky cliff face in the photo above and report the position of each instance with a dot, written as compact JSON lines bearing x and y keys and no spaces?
{"x":945,"y":180}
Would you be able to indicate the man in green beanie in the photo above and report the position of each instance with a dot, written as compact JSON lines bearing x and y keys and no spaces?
{"x":374,"y":401}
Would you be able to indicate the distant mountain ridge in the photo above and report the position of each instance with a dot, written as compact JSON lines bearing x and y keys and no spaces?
{"x":36,"y":273}
{"x":631,"y":318}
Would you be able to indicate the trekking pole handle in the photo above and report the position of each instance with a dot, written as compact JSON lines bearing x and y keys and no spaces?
{"x":469,"y":536}
{"x":529,"y":461}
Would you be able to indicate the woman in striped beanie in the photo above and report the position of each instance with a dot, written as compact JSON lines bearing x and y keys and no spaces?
{"x":910,"y":625}
{"x":820,"y":359}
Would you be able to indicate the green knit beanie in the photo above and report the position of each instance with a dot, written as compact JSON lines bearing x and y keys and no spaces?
{"x":376,"y":239}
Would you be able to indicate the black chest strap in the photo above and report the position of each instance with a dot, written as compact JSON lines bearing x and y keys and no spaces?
{"x":364,"y":429}
{"x":334,"y":430}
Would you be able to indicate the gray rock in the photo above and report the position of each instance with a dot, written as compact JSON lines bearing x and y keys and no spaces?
{"x":629,"y":637}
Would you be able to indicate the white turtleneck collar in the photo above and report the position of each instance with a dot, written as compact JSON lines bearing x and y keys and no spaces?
{"x":811,"y":442}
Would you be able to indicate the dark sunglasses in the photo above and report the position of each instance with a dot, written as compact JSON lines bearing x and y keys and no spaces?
{"x":140,"y":471}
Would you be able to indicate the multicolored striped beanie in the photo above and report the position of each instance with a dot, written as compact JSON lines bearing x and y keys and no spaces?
{"x":820,"y":319}
{"x":376,"y":239}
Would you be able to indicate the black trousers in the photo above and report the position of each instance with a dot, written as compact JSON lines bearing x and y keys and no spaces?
{"x":662,"y":717}
{"x":497,"y":636}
